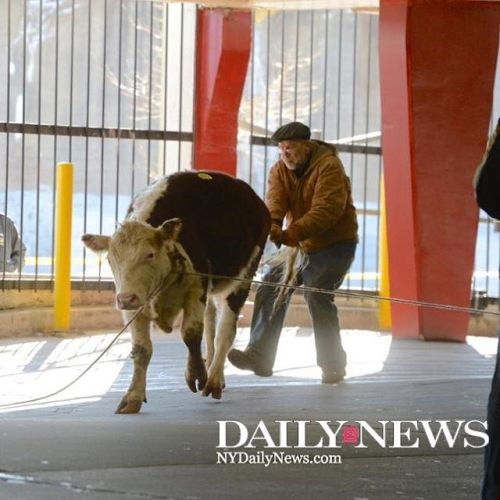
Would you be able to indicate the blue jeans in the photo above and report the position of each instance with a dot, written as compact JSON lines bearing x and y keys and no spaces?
{"x":491,"y":480}
{"x":324,"y":269}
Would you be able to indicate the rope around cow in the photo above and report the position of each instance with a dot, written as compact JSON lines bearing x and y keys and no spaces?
{"x":342,"y":293}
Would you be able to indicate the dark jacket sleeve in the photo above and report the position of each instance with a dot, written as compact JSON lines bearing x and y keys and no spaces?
{"x":487,"y":178}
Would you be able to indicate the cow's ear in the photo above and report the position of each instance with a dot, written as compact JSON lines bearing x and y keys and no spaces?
{"x":171,"y":228}
{"x":96,"y":242}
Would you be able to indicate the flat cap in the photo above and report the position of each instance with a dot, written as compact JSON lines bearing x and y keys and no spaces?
{"x":293,"y":130}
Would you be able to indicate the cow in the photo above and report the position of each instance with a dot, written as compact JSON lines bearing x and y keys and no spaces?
{"x":186,"y":235}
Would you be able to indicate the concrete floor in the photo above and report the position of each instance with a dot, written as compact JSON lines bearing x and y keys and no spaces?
{"x":73,"y":446}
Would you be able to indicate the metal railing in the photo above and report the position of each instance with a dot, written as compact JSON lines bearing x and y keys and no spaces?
{"x":321,"y":68}
{"x":108,"y":85}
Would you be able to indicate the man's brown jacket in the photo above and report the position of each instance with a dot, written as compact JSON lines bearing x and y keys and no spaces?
{"x":318,"y":205}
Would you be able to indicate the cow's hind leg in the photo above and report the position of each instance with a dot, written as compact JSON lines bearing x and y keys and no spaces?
{"x":230,"y":308}
{"x":209,"y":324}
{"x":142,"y":349}
{"x":192,"y":334}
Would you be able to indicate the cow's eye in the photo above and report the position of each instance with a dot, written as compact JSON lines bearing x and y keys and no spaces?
{"x":150,"y":256}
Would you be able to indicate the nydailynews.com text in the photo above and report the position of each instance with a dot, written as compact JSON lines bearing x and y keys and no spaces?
{"x":275,"y":458}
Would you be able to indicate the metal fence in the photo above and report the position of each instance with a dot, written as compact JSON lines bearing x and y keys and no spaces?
{"x":108,"y":85}
{"x":105,"y":84}
{"x":321,"y":67}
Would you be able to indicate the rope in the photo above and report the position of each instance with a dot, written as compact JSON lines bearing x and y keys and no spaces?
{"x":343,"y":293}
{"x":93,"y":363}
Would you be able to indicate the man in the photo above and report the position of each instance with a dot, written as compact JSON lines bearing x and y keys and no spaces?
{"x":11,"y":248}
{"x":307,"y":186}
{"x":487,"y":187}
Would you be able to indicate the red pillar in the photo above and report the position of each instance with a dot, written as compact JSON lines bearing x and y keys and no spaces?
{"x":437,"y":67}
{"x":222,"y":51}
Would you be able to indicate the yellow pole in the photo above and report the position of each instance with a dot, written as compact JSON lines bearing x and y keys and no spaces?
{"x":384,"y":305}
{"x":64,"y":211}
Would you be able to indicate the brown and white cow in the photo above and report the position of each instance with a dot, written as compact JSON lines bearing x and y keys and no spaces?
{"x":189,"y":222}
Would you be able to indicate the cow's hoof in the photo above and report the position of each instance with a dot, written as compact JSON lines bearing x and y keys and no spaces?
{"x":129,"y":405}
{"x":196,"y":381}
{"x":215,"y":390}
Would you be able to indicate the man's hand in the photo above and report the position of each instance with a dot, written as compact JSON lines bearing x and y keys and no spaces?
{"x":275,"y":234}
{"x":288,"y":240}
{"x":280,"y":237}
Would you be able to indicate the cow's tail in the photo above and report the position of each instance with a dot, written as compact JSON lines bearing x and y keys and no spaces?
{"x":291,"y":261}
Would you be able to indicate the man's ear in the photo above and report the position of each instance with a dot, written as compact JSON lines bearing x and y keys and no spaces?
{"x":171,"y":228}
{"x":96,"y":242}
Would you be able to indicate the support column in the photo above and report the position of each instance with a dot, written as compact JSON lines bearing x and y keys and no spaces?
{"x":222,"y":52}
{"x":437,"y":68}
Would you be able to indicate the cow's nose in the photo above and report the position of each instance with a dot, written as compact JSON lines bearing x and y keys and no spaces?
{"x":127,"y":301}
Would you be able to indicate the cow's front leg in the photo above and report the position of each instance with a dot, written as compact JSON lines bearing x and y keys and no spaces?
{"x":142,"y":349}
{"x":192,"y":334}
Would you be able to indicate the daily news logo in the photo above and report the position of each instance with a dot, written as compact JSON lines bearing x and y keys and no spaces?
{"x":335,"y":434}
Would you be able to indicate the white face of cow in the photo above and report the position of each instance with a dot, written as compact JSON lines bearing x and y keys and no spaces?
{"x":140,"y":257}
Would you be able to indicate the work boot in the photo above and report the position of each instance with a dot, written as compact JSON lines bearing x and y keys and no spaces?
{"x":249,"y":359}
{"x":332,"y":376}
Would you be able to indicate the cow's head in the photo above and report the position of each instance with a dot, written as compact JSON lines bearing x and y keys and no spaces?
{"x":139,"y":256}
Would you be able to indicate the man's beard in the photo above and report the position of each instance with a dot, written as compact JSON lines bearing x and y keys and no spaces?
{"x":289,"y":164}
{"x":295,"y":164}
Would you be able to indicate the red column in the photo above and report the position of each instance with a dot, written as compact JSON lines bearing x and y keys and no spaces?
{"x":437,"y":68}
{"x":222,"y":51}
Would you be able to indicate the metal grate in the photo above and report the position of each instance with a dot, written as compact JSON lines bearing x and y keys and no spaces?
{"x":106,"y":84}
{"x":319,"y":67}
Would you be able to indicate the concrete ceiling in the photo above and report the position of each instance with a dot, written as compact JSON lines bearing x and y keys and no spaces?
{"x":366,"y":5}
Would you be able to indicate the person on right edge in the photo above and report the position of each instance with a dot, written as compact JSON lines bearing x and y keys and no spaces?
{"x":487,"y":188}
